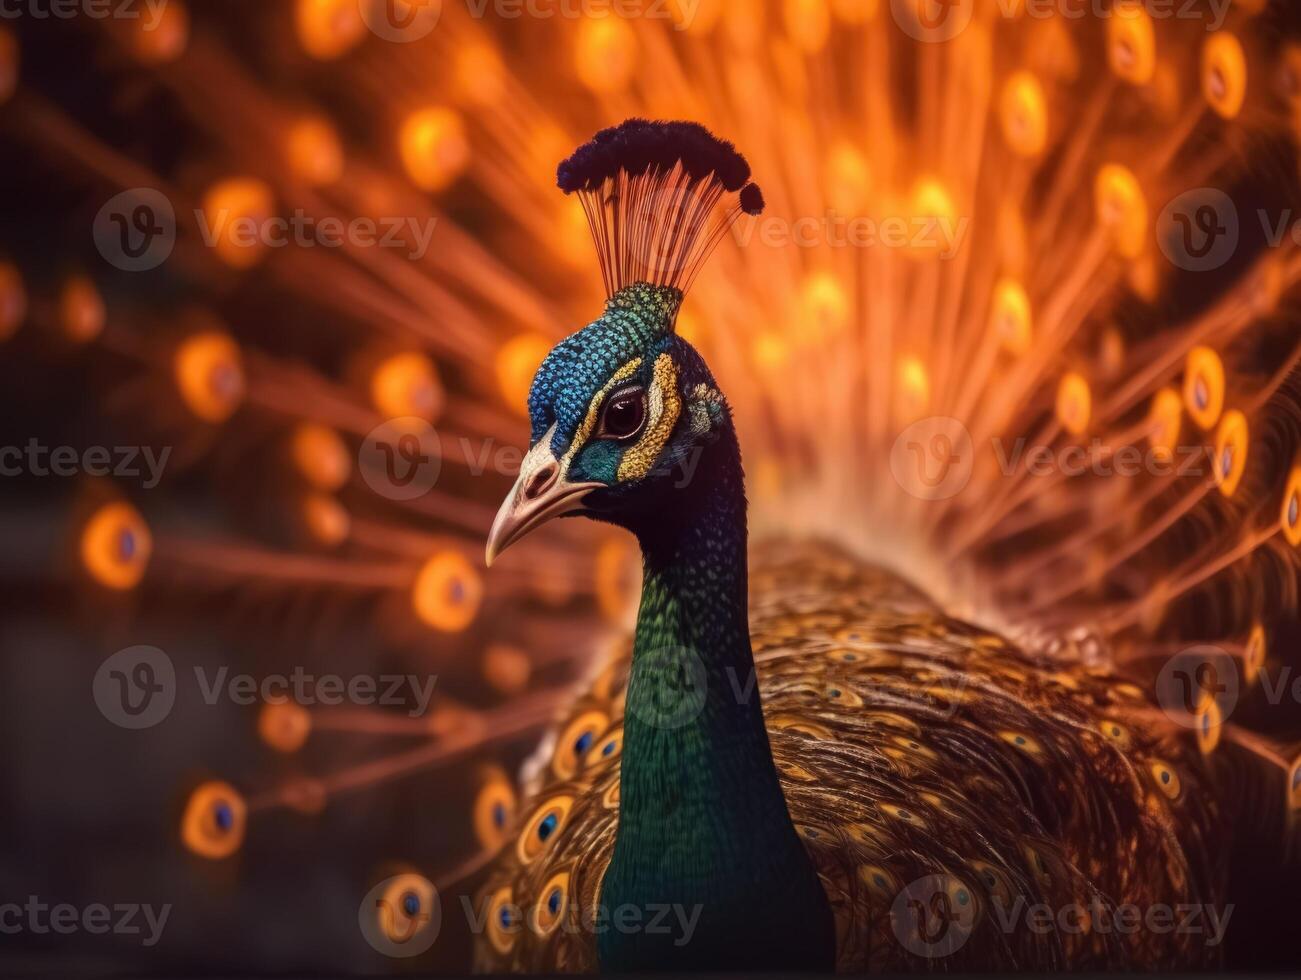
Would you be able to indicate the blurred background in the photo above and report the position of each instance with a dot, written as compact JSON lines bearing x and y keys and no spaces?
{"x":274,"y":279}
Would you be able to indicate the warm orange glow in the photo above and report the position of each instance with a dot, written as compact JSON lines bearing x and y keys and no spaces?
{"x":808,"y":22}
{"x":314,"y":152}
{"x":1231,"y":445}
{"x":849,"y":179}
{"x":1204,"y":386}
{"x":328,"y":28}
{"x":1122,"y":208}
{"x":480,"y":74}
{"x":319,"y":454}
{"x":1010,"y":319}
{"x":447,"y":592}
{"x":403,"y":893}
{"x":214,"y":821}
{"x":407,"y":385}
{"x":506,"y":668}
{"x":605,"y":53}
{"x":115,"y":546}
{"x":617,"y":580}
{"x":165,"y":40}
{"x":435,"y":148}
{"x":284,"y":726}
{"x":517,"y":362}
{"x":13,"y":300}
{"x":1224,"y":74}
{"x":931,"y":200}
{"x":824,"y":308}
{"x":855,"y":11}
{"x":1166,"y":419}
{"x":236,"y":212}
{"x":209,"y":375}
{"x":696,"y":16}
{"x":81,"y":309}
{"x":1024,"y":115}
{"x":914,"y":389}
{"x":1131,"y":43}
{"x":326,"y":519}
{"x":1074,"y":403}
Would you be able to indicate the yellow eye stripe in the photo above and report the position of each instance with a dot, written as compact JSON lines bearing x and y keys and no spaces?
{"x":594,"y":410}
{"x":664,"y":406}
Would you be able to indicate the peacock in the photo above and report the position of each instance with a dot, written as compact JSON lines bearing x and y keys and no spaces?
{"x":982,"y":660}
{"x":847,"y":759}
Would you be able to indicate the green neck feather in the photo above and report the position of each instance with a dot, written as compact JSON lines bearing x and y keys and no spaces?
{"x":703,"y":824}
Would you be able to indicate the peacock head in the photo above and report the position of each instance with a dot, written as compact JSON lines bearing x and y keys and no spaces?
{"x":621,"y":413}
{"x":624,"y":411}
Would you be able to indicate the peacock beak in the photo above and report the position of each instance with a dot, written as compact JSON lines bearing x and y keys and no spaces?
{"x":541,"y":493}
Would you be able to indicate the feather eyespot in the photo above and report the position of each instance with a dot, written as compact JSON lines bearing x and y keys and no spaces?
{"x":841,"y":694}
{"x":1166,"y":779}
{"x":552,"y":903}
{"x":214,"y":821}
{"x":913,"y":746}
{"x":795,"y":723}
{"x":606,"y":748}
{"x":541,"y":828}
{"x":1115,"y":732}
{"x":1023,"y":742}
{"x":503,"y":921}
{"x":575,"y":741}
{"x":883,"y":885}
{"x":892,"y":720}
{"x":494,"y":809}
{"x":995,"y":882}
{"x":902,"y":814}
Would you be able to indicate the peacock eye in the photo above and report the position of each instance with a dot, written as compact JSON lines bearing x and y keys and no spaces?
{"x":623,"y":415}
